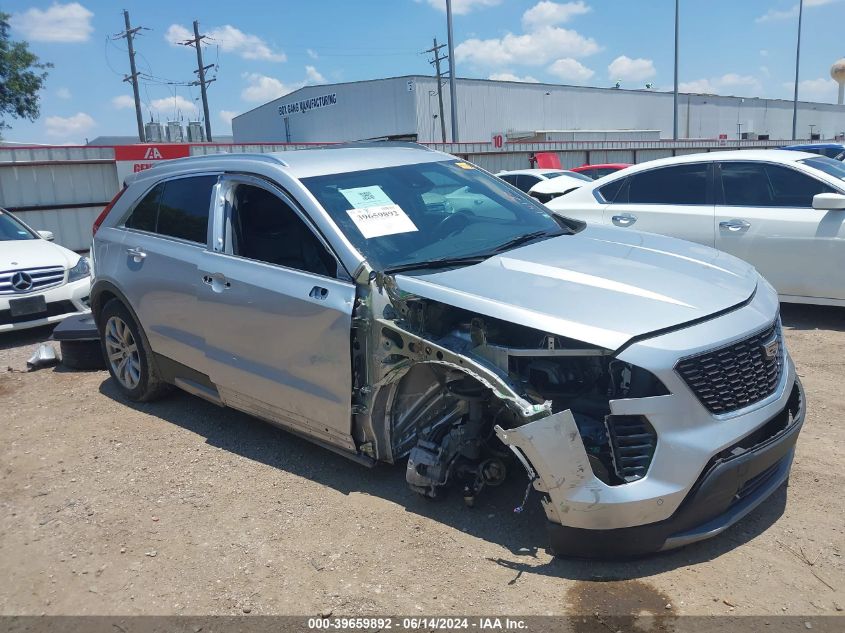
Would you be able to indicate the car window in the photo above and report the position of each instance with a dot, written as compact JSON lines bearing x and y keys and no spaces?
{"x":403,"y":215}
{"x":829,"y":166}
{"x":679,"y":184}
{"x":509,"y":178}
{"x":611,"y":190}
{"x":11,"y":229}
{"x":524,"y":182}
{"x":266,"y":229}
{"x":767,"y":185}
{"x":183,"y":208}
{"x":145,"y":213}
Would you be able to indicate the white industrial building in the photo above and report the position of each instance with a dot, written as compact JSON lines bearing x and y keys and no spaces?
{"x":407,"y":108}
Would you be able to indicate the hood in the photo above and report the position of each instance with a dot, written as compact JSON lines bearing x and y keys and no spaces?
{"x":34,"y":253}
{"x":558,"y":184}
{"x":602,"y":286}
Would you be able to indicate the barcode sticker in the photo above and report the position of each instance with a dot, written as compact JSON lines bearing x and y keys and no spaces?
{"x":377,"y":221}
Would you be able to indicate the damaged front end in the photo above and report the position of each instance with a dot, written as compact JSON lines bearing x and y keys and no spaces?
{"x":465,"y":396}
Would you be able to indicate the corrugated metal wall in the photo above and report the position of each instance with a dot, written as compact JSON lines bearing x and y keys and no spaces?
{"x":59,"y":189}
{"x":63,"y":189}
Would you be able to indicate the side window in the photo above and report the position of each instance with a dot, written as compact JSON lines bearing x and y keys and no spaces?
{"x":791,"y":188}
{"x":680,"y":184}
{"x":143,"y":216}
{"x":183,"y":210}
{"x":525,"y":182}
{"x":509,"y":178}
{"x":611,"y":190}
{"x":766,"y":185}
{"x":265,"y":228}
{"x":746,"y":185}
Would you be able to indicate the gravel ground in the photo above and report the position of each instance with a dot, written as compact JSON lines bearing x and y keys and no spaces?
{"x":180,"y":507}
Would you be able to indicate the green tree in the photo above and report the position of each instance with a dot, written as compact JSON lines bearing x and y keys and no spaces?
{"x":22,"y":76}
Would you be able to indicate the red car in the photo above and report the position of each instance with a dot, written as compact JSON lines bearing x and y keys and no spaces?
{"x":597,"y":171}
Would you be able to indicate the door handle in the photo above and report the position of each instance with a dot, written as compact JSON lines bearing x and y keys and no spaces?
{"x":626,"y":219}
{"x":218,"y":282}
{"x":734,"y":225}
{"x":319,"y":293}
{"x":137,"y":254}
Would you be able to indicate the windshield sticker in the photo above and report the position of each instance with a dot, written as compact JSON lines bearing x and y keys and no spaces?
{"x":464,"y":166}
{"x":364,"y":197}
{"x":377,"y":221}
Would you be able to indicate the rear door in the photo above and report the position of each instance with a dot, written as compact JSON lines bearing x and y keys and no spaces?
{"x":277,"y":312}
{"x":676,"y":200}
{"x":764,"y":215}
{"x":165,"y":238}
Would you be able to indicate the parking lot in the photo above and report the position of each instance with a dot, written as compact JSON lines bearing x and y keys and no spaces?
{"x":180,"y":507}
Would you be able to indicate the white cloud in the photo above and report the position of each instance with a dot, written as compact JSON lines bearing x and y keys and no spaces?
{"x":312,"y":53}
{"x":764,"y":52}
{"x":172,"y":107}
{"x":536,"y":48}
{"x":226,"y":116}
{"x":60,"y":23}
{"x":791,"y":12}
{"x":727,"y":83}
{"x":313,"y":76}
{"x":568,"y":69}
{"x":230,"y":40}
{"x":764,"y":70}
{"x":72,"y":128}
{"x":547,"y":13}
{"x":63,"y":93}
{"x":821,"y":89}
{"x":627,"y":69}
{"x":462,"y":7}
{"x":122,"y":102}
{"x":261,"y":88}
{"x":511,"y":77}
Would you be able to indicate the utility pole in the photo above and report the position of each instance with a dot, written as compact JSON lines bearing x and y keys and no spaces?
{"x":675,"y":99}
{"x":129,"y":33}
{"x":797,"y":63}
{"x":201,"y":81}
{"x":452,"y":94}
{"x":436,"y":61}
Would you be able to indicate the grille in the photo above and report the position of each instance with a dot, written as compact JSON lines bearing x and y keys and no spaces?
{"x":632,"y":440}
{"x":44,"y":277}
{"x":737,"y":375}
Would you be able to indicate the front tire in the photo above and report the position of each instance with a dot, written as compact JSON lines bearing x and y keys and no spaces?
{"x":128,"y":356}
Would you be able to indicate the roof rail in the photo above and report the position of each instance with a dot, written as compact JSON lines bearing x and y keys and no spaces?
{"x":269,"y":157}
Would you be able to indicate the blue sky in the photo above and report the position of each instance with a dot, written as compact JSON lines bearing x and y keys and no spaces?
{"x":264,"y":49}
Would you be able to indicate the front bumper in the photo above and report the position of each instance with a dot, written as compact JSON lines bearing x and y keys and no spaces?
{"x":732,"y":484}
{"x":62,"y":301}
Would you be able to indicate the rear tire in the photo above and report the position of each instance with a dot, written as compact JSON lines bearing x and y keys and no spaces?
{"x":82,"y":354}
{"x":128,"y":356}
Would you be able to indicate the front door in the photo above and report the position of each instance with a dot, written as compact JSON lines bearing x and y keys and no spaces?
{"x":277,"y":319}
{"x":764,"y":215}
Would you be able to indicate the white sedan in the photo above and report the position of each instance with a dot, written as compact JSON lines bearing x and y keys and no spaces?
{"x":525,"y":179}
{"x":782,"y":211}
{"x":40,"y":282}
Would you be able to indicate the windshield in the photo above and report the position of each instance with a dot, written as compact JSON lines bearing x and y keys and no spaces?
{"x":829,"y":166}
{"x":11,"y":229}
{"x":418,"y":213}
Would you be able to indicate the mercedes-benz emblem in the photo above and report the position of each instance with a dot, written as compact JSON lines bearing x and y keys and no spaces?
{"x":21,"y":281}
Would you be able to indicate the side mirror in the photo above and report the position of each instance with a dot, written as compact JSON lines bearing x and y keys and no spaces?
{"x":829,"y":201}
{"x":48,"y":235}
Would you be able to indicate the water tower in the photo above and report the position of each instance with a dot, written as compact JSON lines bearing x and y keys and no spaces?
{"x":837,"y":71}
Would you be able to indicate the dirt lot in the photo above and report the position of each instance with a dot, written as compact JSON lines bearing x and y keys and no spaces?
{"x":179,"y":507}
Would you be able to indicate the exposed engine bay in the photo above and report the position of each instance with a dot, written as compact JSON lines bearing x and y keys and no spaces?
{"x":435,"y":381}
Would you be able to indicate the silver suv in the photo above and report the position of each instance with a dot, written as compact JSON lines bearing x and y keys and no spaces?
{"x":396,"y":304}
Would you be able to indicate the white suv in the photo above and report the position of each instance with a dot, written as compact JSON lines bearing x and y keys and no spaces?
{"x":641,"y":382}
{"x":40,"y":282}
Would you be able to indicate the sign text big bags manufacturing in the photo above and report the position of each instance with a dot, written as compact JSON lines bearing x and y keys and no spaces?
{"x":308,"y":104}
